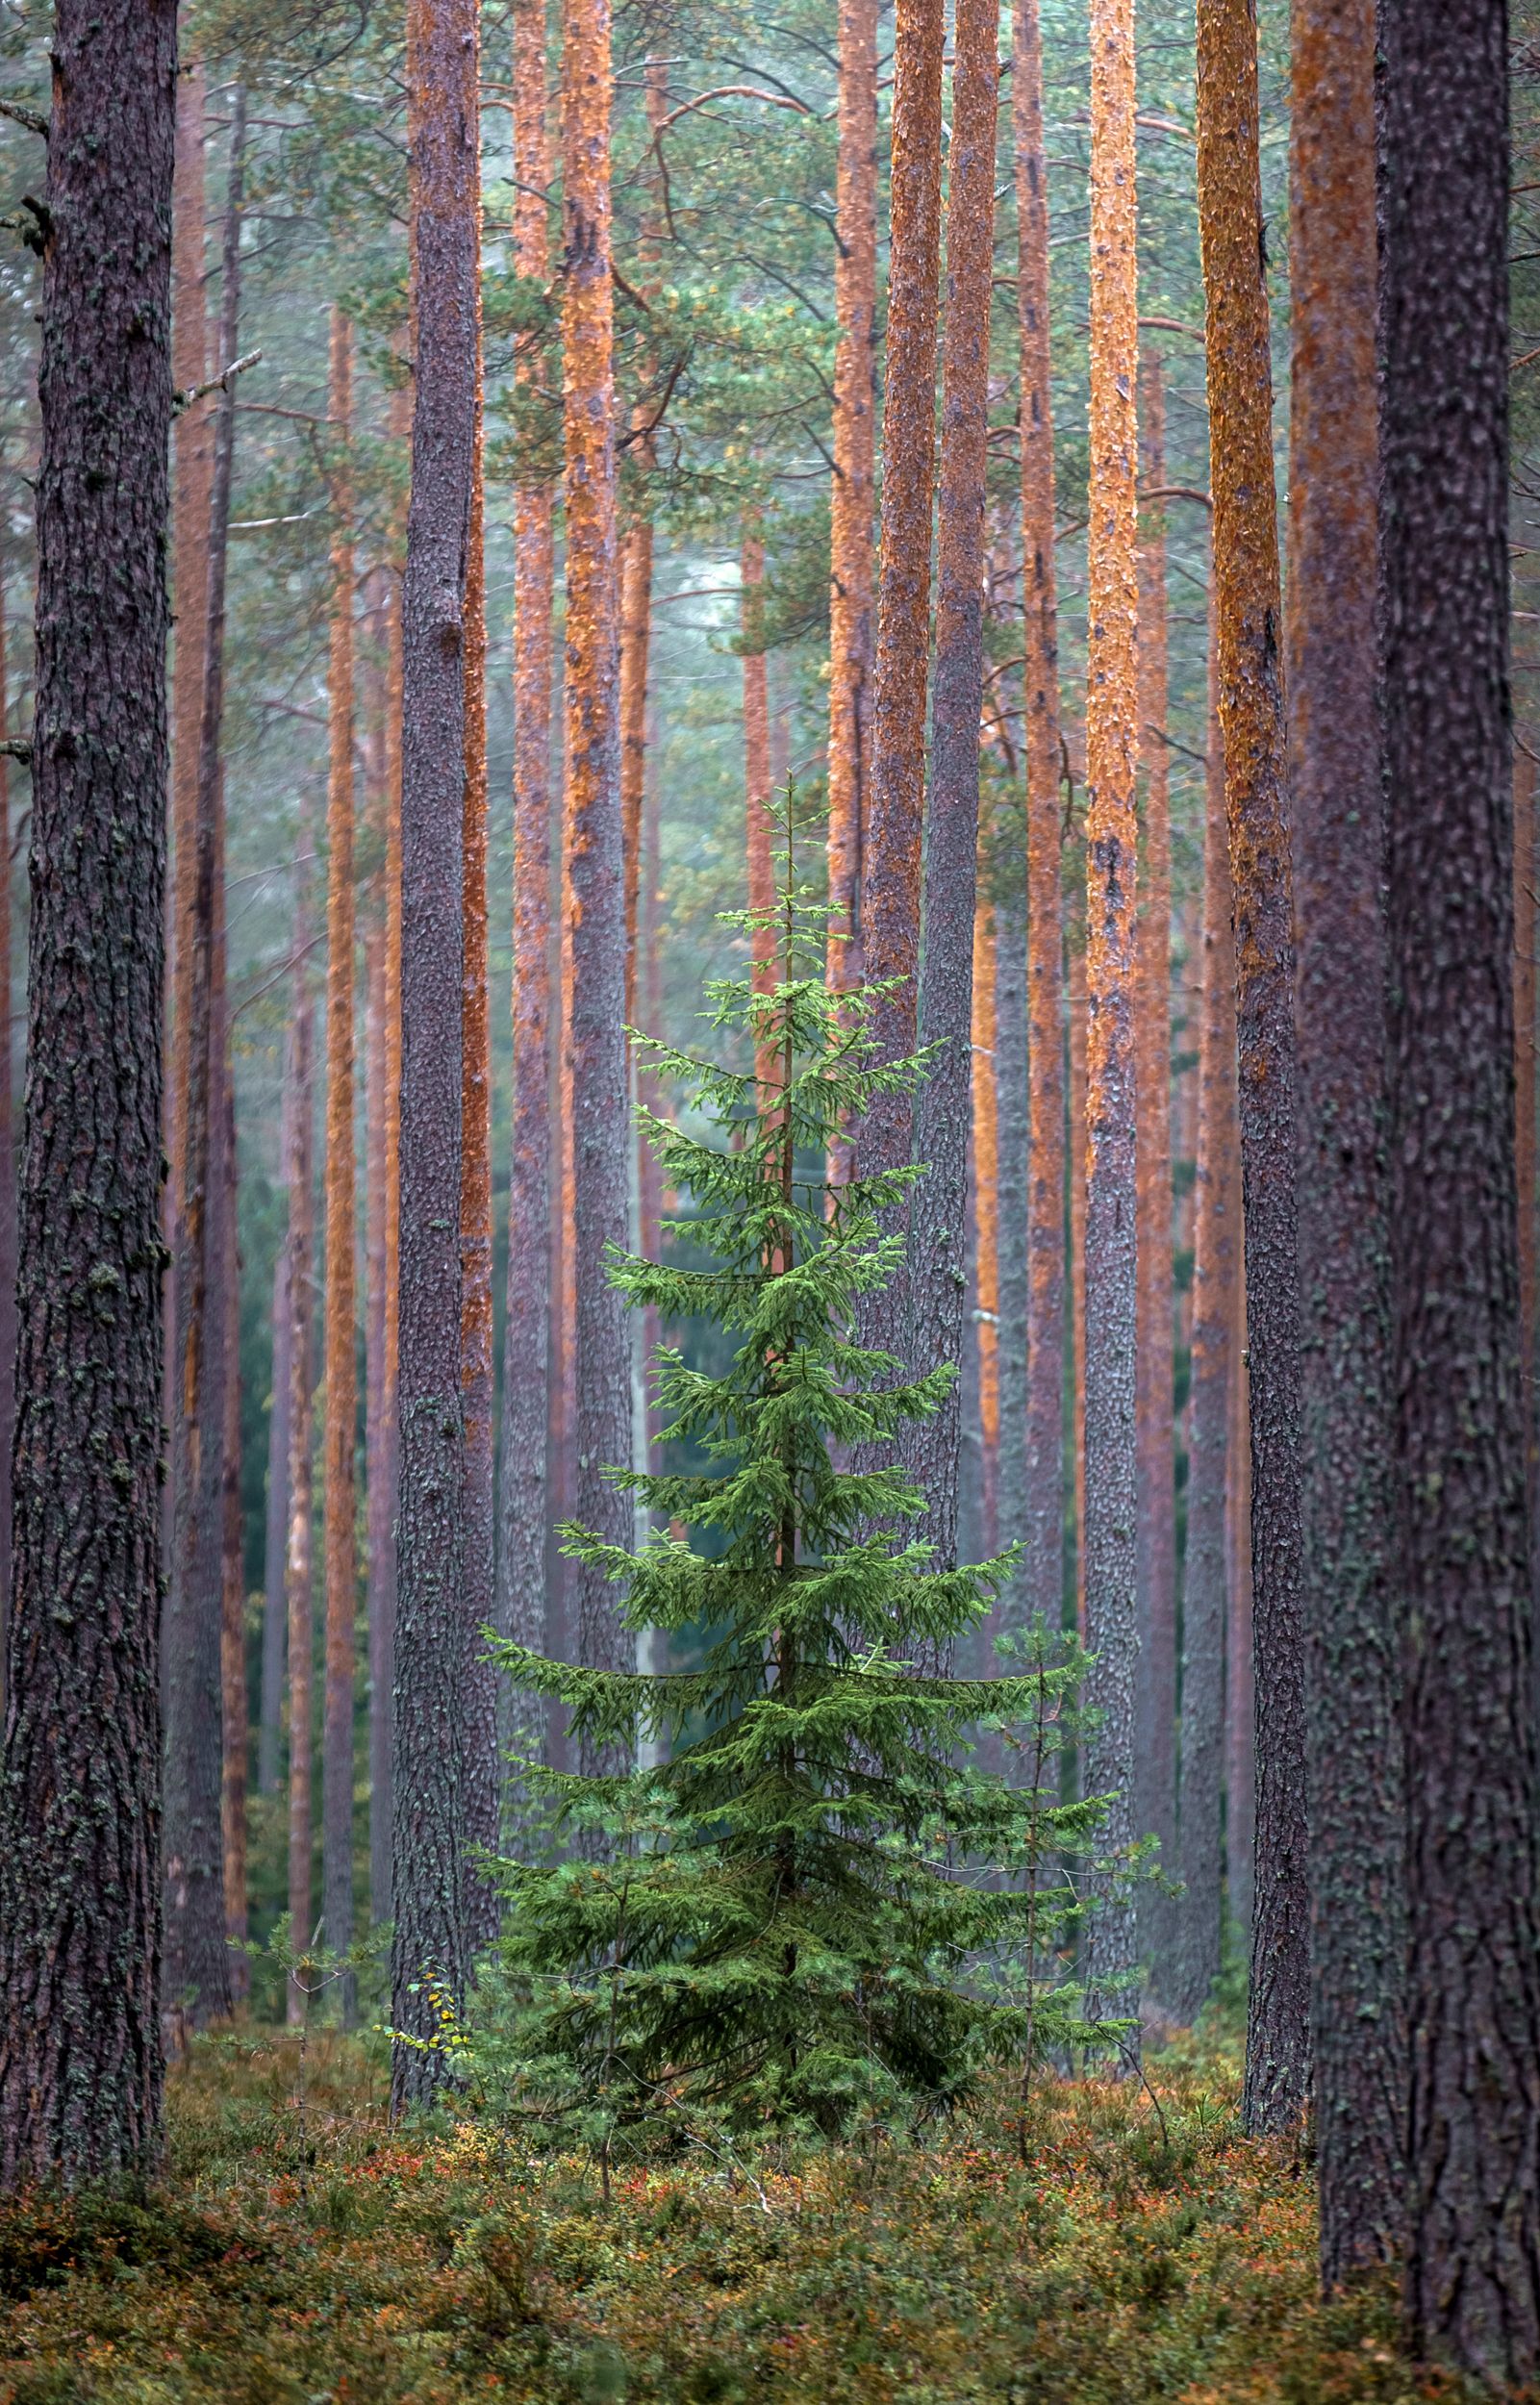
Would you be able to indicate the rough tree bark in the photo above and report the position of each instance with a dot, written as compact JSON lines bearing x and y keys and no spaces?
{"x":523,"y":1512}
{"x":1077,"y":1051}
{"x":384,"y":1465}
{"x":937,"y":1266}
{"x":1042,"y":1531}
{"x":1155,"y":1734}
{"x":275,"y":1548}
{"x":851,"y":494}
{"x":1111,"y":854}
{"x":80,"y":2039}
{"x":432,"y":1644}
{"x":600,"y":1120}
{"x":8,"y":1170}
{"x":196,"y":1963}
{"x":890,"y":897}
{"x":1250,"y":702}
{"x":1351,"y":1615}
{"x":979,"y":1331}
{"x":1473,"y":2258}
{"x":192,"y":473}
{"x":234,"y":1706}
{"x":1526,"y":924}
{"x":338,"y":1507}
{"x":299,"y":1565}
{"x":759,"y":826}
{"x":1216,"y":1276}
{"x":479,"y":1567}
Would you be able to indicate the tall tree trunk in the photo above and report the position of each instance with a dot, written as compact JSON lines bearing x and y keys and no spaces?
{"x":275,"y":1549}
{"x":636,"y":645}
{"x":479,"y":1572}
{"x":1155,"y":1738}
{"x":195,"y":437}
{"x":79,"y":2041}
{"x":889,"y":901}
{"x":1250,"y":702}
{"x":600,"y":1120}
{"x":1012,"y":1083}
{"x":1358,"y":1828}
{"x":985,"y":1180}
{"x":1472,"y":2260}
{"x":1525,"y":885}
{"x":938,"y":1273}
{"x":1216,"y":1278}
{"x":384,"y":1469}
{"x":8,"y":1173}
{"x":339,"y":1435}
{"x":851,"y":493}
{"x":429,"y":1777}
{"x":1240,"y":1685}
{"x":196,"y":1967}
{"x":1078,"y":1048}
{"x":298,"y":1571}
{"x":1111,"y":854}
{"x":1043,"y":1528}
{"x":235,"y":1706}
{"x":523,"y":1511}
{"x":758,"y":795}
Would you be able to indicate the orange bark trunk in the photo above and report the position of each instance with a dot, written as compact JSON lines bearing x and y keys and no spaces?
{"x":1043,"y":1571}
{"x":535,"y":1279}
{"x":1155,"y":1444}
{"x":596,"y":857}
{"x":338,"y":1503}
{"x":1251,"y":698}
{"x":851,"y":493}
{"x":476,"y":1375}
{"x":889,"y":908}
{"x":1111,"y":855}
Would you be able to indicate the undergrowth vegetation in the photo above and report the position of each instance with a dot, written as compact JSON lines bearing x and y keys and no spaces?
{"x":299,"y":2251}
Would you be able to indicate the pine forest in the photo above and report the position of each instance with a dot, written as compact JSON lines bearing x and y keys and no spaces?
{"x":770,"y":1201}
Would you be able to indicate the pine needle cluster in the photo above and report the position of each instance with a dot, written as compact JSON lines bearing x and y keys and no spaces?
{"x":816,"y":1910}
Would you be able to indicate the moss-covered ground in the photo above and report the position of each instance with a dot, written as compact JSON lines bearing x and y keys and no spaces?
{"x":1145,"y":2250}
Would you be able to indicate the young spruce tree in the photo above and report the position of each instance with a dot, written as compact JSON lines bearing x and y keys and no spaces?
{"x":796,"y":1918}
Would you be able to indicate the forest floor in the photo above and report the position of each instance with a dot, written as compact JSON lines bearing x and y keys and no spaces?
{"x":315,"y":2258}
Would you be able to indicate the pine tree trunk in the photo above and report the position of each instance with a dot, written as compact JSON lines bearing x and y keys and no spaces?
{"x":1216,"y":1277}
{"x":937,"y":1261}
{"x":1473,"y":2262}
{"x":853,"y":490}
{"x":1155,"y":1739}
{"x":235,"y":1708}
{"x":298,"y":1571}
{"x":429,"y":1795}
{"x":1042,"y":1583}
{"x":1111,"y":855}
{"x":275,"y":1548}
{"x":1012,"y":1080}
{"x":600,"y":1119}
{"x":891,"y":848}
{"x":1078,"y":1048}
{"x":636,"y":644}
{"x":1245,"y":576}
{"x":8,"y":1171}
{"x":1357,"y":1826}
{"x":339,"y":1437}
{"x":79,"y":2041}
{"x":479,"y":1572}
{"x":1239,"y":1649}
{"x":1526,"y":883}
{"x":979,"y":1330}
{"x":384,"y":1469}
{"x":759,"y":827}
{"x":524,"y":1507}
{"x":194,"y":471}
{"x":196,"y":1963}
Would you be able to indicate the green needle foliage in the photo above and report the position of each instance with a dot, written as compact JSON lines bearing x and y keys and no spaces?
{"x":816,"y":1912}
